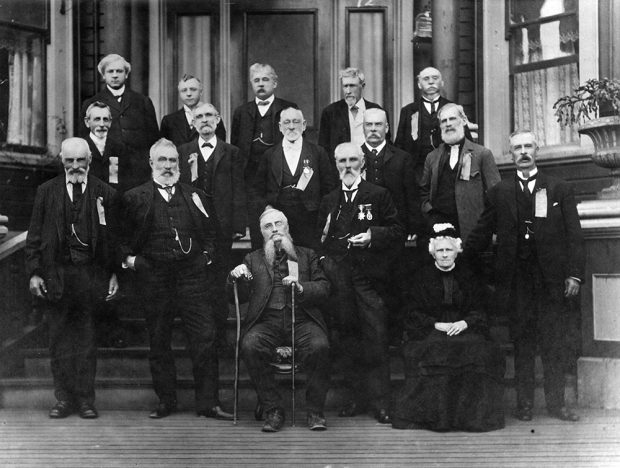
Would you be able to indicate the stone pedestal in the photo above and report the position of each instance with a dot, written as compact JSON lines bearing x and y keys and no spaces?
{"x":598,"y":371}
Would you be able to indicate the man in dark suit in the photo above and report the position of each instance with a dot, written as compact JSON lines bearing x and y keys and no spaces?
{"x":254,"y":131}
{"x":168,"y":239}
{"x":109,"y":164}
{"x":133,"y":116}
{"x":359,"y":226}
{"x":539,"y":265}
{"x":418,"y":128}
{"x":296,"y":174}
{"x":69,"y":260}
{"x":178,"y":127}
{"x":342,"y":121}
{"x":216,"y":168}
{"x":456,"y":175}
{"x":265,"y":279}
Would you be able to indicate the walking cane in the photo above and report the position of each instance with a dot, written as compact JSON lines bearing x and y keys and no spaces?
{"x":238,"y":317}
{"x":293,"y":349}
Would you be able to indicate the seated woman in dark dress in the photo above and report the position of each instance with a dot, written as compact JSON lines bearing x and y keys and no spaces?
{"x":453,"y":371}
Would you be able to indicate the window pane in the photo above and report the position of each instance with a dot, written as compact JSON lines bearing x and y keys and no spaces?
{"x":534,"y":95}
{"x":530,"y":10}
{"x":22,"y":116}
{"x":545,"y":41}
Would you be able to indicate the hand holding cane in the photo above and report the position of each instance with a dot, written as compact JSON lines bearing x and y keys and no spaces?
{"x":238,"y":318}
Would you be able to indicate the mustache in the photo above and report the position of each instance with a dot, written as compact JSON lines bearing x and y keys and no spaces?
{"x":286,"y":244}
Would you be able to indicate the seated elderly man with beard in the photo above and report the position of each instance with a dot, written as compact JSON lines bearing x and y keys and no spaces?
{"x":264,"y":278}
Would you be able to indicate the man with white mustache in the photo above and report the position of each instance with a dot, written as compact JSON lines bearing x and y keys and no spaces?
{"x":168,"y":239}
{"x":70,"y":263}
{"x":456,"y":175}
{"x":264,"y":278}
{"x":359,"y":226}
{"x":295,"y":175}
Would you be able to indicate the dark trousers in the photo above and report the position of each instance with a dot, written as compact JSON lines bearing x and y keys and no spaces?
{"x":311,"y":349}
{"x":181,"y":288}
{"x":362,"y":323}
{"x":540,"y":316}
{"x":72,"y":335}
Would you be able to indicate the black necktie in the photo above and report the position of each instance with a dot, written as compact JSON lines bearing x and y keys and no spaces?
{"x":348,"y":195}
{"x":263,"y":103}
{"x":433,"y":106}
{"x":207,"y":145}
{"x":374,"y":152}
{"x":354,"y":110}
{"x":77,"y":192}
{"x":526,"y":184}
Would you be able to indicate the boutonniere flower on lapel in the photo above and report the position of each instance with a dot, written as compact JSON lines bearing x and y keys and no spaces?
{"x":198,"y":202}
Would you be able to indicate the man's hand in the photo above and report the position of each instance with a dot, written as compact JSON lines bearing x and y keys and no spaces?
{"x":241,"y":271}
{"x":288,"y":280}
{"x":571,"y":287}
{"x":442,"y":326}
{"x":360,"y":240}
{"x":112,"y":287}
{"x":457,"y":327}
{"x":129,"y":262}
{"x":37,"y":286}
{"x":238,"y":235}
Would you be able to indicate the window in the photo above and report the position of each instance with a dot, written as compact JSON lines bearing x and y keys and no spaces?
{"x":544,"y":57}
{"x":22,"y":77}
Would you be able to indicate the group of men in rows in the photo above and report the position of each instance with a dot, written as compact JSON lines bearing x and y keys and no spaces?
{"x":162,"y":207}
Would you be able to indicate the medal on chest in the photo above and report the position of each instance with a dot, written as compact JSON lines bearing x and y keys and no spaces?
{"x":365,"y":212}
{"x":306,"y":164}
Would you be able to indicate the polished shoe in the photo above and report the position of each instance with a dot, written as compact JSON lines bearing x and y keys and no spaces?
{"x":162,"y":410}
{"x":352,"y":408}
{"x":61,"y":409}
{"x":87,"y":411}
{"x":383,"y":416}
{"x":316,"y":421}
{"x":524,"y":413}
{"x":216,"y":412}
{"x":274,"y":420}
{"x":564,"y":414}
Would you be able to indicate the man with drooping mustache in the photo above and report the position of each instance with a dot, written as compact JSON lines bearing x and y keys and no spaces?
{"x":265,"y":279}
{"x":168,"y":239}
{"x":342,"y":121}
{"x":456,"y":175}
{"x":69,"y":257}
{"x":539,"y":268}
{"x":358,"y":225}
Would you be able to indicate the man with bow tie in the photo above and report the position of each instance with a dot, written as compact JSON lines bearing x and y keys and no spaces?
{"x":359,"y":226}
{"x":342,"y":121}
{"x":539,"y":266}
{"x":216,"y":167}
{"x":133,"y":116}
{"x":456,"y":175}
{"x":168,"y":240}
{"x":69,"y":258}
{"x":295,"y":175}
{"x":418,"y":127}
{"x":178,"y":127}
{"x":254,"y":130}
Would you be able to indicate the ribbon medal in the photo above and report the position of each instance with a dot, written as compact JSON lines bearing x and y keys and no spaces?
{"x":361,"y":215}
{"x":306,"y":164}
{"x":368,"y":211}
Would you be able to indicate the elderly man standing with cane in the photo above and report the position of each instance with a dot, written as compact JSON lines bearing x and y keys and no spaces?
{"x":265,"y":278}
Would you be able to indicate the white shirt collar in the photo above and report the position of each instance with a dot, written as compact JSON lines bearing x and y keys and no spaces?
{"x":206,"y":151}
{"x":378,"y":148}
{"x":117,"y":92}
{"x":533,"y":172}
{"x":69,"y":187}
{"x":292,"y":144}
{"x":361,"y":106}
{"x":99,"y":142}
{"x":354,"y":186}
{"x":269,"y":100}
{"x":189,"y":115}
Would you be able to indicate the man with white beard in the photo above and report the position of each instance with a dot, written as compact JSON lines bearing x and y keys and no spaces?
{"x":359,"y":227}
{"x":68,"y":258}
{"x":456,"y":175}
{"x":265,"y":278}
{"x":169,"y":240}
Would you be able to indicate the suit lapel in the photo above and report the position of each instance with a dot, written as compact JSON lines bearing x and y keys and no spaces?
{"x":276,"y":163}
{"x":218,"y":154}
{"x":92,"y":194}
{"x":388,"y":154}
{"x":343,"y":115}
{"x":435,"y":170}
{"x":59,"y":207}
{"x":267,"y":266}
{"x":111,"y":100}
{"x":511,"y":195}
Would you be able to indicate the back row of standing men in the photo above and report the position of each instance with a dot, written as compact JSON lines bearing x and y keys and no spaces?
{"x":268,"y":163}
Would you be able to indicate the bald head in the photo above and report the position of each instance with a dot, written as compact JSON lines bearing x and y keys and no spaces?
{"x":430,"y":83}
{"x":75,"y":156}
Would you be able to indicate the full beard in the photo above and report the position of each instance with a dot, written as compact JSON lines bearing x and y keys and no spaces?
{"x":76,"y":176}
{"x":165,"y":179}
{"x":453,"y":137}
{"x":284,"y":242}
{"x":349,"y":177}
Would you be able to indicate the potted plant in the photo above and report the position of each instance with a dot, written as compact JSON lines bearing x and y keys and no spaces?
{"x":595,"y":108}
